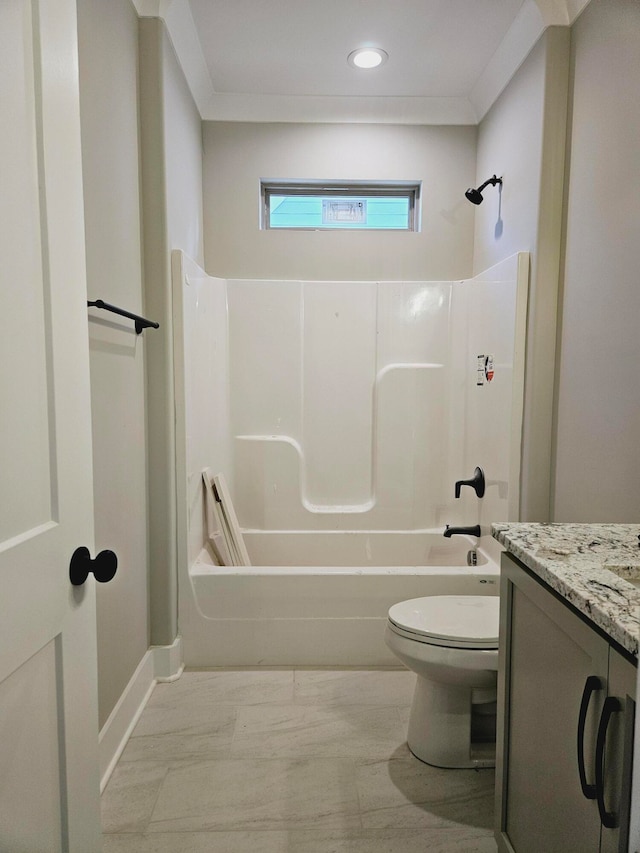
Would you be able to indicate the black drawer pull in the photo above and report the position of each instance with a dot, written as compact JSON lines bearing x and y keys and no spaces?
{"x":612,"y":706}
{"x":592,"y":684}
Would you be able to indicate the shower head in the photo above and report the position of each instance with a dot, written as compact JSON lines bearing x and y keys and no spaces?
{"x":475,"y":196}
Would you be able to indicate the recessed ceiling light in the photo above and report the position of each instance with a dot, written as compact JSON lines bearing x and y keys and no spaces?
{"x":367,"y":57}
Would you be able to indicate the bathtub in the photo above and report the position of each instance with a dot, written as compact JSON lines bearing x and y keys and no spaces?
{"x":321,"y":598}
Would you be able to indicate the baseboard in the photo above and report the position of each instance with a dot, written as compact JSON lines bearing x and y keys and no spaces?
{"x":159,"y":663}
{"x":168,"y":661}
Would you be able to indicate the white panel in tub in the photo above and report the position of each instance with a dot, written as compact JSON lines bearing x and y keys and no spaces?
{"x":273,"y":470}
{"x":487,"y":318}
{"x":266,"y":357}
{"x":251,"y":503}
{"x":293,"y":483}
{"x":411,"y":433}
{"x":505,"y":270}
{"x":492,"y":309}
{"x":412,"y":322}
{"x":492,"y":435}
{"x":339,"y":366}
{"x":203,"y":435}
{"x":207,"y":403}
{"x":274,"y":480}
{"x":407,"y":476}
{"x":452,"y":511}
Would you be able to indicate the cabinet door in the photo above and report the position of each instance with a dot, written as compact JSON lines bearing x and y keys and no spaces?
{"x":617,"y":753}
{"x":546,"y":657}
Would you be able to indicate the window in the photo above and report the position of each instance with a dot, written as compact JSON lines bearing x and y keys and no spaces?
{"x":318,"y":206}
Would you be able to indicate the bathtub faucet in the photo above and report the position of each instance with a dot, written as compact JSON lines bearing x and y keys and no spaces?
{"x":466,"y":531}
{"x":477,"y":483}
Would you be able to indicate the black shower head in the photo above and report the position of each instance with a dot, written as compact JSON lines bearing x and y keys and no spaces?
{"x":475,"y":196}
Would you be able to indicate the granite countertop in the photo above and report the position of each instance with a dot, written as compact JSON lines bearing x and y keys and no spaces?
{"x":593,"y":566}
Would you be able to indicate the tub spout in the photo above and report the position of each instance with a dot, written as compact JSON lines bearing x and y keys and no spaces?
{"x":466,"y":531}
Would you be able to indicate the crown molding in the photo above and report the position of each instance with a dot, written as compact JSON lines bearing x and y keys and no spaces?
{"x":147,"y":8}
{"x":324,"y":109}
{"x":534,"y":17}
{"x":186,"y":43}
{"x":560,"y":12}
{"x":521,"y":36}
{"x":532,"y":20}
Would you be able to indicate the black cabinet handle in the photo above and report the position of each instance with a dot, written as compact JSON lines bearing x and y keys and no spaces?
{"x":592,"y":684}
{"x":612,"y":705}
{"x":103,"y":567}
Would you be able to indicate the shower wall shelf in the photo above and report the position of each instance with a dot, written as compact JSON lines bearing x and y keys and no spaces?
{"x":140,"y":322}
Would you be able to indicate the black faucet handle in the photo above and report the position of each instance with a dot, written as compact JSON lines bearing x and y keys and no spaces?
{"x":477,"y":483}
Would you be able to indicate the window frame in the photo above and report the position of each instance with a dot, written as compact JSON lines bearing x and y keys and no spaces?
{"x":411,"y":190}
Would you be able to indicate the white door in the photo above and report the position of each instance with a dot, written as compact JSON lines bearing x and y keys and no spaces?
{"x":49,"y":797}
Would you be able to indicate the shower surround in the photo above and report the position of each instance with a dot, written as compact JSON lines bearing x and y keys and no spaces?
{"x":338,"y":407}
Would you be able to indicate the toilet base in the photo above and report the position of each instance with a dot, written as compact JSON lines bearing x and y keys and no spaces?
{"x":440,"y":727}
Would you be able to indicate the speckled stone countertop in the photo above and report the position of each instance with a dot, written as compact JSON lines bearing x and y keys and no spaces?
{"x":593,"y":566}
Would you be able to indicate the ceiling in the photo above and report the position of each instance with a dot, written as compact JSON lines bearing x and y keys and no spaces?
{"x":293,"y":47}
{"x":286,"y":60}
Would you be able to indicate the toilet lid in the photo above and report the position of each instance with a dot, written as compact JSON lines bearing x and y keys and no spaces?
{"x":469,"y":619}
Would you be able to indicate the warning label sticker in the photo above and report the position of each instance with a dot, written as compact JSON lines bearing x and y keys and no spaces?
{"x":488,"y":368}
{"x":485,"y":370}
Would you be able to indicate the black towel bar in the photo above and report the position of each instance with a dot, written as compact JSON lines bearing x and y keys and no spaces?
{"x":140,"y":322}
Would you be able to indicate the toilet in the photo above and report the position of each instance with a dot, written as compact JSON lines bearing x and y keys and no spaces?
{"x":451,"y":643}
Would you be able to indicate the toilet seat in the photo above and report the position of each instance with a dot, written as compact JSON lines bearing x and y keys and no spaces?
{"x":454,"y":621}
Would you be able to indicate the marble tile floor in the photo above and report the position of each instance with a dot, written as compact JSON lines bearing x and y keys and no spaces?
{"x":288,"y":760}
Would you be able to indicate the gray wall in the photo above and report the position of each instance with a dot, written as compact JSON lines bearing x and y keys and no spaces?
{"x":139,"y":126}
{"x":236,"y":156}
{"x":108,"y":49}
{"x":597,"y":472}
{"x":172,"y":203}
{"x":522,"y":139}
{"x":580,"y":459}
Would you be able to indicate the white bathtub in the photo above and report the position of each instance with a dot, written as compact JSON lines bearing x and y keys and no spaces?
{"x":321,"y":598}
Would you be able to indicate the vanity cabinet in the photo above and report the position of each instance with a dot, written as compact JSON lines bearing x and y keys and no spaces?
{"x":565,"y":725}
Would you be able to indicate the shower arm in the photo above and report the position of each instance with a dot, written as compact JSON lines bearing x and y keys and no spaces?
{"x":493,"y":181}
